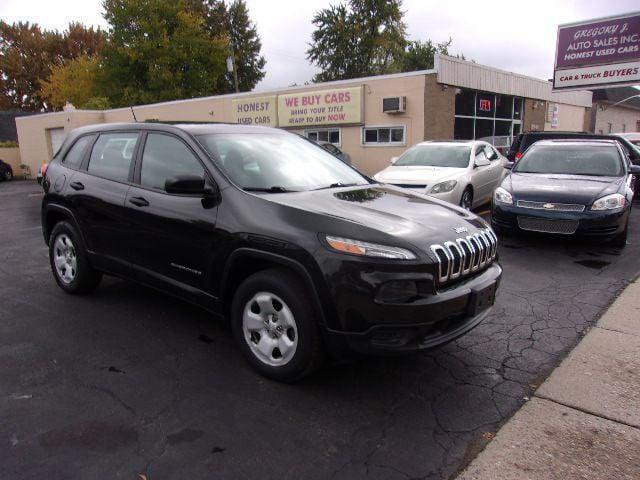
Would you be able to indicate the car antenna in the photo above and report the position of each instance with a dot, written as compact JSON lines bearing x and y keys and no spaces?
{"x":134,"y":114}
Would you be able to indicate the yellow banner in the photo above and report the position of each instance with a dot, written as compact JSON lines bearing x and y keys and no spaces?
{"x":255,"y":111}
{"x":336,"y":106}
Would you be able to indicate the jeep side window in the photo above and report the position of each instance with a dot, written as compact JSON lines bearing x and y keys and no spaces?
{"x":74,"y":156}
{"x":166,"y":157}
{"x":109,"y":158}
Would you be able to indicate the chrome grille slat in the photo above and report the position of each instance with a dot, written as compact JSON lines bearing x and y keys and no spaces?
{"x":550,"y":206}
{"x":464,"y":255}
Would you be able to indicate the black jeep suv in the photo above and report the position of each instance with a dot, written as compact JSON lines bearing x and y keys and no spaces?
{"x":302,"y":253}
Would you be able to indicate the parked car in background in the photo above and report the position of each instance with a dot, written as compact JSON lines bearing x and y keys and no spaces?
{"x":41,"y":171}
{"x":302,"y":254}
{"x":6,"y":172}
{"x":333,"y":149}
{"x":461,"y":172}
{"x":568,"y":187}
{"x":633,"y":137}
{"x":502,"y":143}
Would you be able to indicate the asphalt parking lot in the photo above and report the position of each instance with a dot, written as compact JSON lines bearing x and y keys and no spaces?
{"x":128,"y":381}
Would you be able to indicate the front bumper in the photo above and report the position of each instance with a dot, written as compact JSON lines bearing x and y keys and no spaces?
{"x":591,"y":224}
{"x":373,"y":327}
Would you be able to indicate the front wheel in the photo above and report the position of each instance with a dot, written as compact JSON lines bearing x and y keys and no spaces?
{"x":69,"y":262}
{"x":275,"y":325}
{"x":8,"y":175}
{"x":466,"y":201}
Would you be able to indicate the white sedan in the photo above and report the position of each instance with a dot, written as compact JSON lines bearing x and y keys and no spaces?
{"x":462,"y":172}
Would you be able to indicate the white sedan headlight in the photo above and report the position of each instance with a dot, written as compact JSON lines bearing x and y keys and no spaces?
{"x":366,"y":249}
{"x":609,"y":202}
{"x":502,"y":196}
{"x":444,"y":187}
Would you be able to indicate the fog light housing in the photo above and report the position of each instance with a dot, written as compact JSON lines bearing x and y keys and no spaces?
{"x":397,"y":291}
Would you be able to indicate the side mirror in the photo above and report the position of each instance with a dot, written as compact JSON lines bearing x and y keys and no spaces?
{"x":634,"y":169}
{"x":187,"y":185}
{"x":394,"y":160}
{"x":508,"y":165}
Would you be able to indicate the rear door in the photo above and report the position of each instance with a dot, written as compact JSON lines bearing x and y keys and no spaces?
{"x":483,"y":174}
{"x":172,"y":236}
{"x":97,"y":192}
{"x":496,"y":167}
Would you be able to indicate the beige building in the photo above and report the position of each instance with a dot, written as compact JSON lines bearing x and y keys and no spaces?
{"x":615,"y":110}
{"x":372,"y":119}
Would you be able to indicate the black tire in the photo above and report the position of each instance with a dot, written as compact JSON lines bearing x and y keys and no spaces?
{"x":620,"y":240}
{"x":466,"y":201}
{"x":7,"y":175}
{"x":309,"y":352}
{"x":85,"y":278}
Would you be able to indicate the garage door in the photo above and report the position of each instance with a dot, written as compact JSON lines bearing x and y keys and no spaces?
{"x":56,"y":136}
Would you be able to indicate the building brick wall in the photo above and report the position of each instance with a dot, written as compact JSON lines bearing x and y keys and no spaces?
{"x":439,"y":109}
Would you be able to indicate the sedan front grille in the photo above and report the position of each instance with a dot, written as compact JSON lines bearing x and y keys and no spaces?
{"x":534,"y":224}
{"x":465,"y":255}
{"x":407,"y":185}
{"x":552,"y":207}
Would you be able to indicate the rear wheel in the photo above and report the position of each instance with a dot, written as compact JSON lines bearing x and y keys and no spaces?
{"x":8,"y":175}
{"x":466,"y":201}
{"x":275,"y":325}
{"x":69,"y":262}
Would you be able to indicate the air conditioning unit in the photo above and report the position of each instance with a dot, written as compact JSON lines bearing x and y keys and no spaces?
{"x":394,"y":104}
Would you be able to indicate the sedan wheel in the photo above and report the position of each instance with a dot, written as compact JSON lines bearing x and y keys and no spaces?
{"x":270,"y":329}
{"x":466,"y":201}
{"x":8,"y":175}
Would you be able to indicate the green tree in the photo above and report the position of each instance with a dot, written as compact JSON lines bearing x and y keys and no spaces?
{"x":159,"y":50}
{"x":74,"y":82}
{"x":364,"y":37}
{"x":233,"y":22}
{"x":28,"y":53}
{"x":420,"y":55}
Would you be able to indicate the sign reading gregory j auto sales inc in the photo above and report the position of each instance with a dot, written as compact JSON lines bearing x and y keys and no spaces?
{"x":255,"y":111}
{"x":597,"y":53}
{"x":336,"y":106}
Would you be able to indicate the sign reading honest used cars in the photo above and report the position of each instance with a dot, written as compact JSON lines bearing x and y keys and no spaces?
{"x":600,"y":52}
{"x":255,"y":111}
{"x":327,"y":107}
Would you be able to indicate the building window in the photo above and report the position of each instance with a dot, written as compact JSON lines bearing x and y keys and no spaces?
{"x":384,"y":135}
{"x":331,"y":135}
{"x":484,"y":114}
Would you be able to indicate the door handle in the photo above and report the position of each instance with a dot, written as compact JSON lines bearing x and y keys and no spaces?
{"x":139,"y":201}
{"x":77,"y":185}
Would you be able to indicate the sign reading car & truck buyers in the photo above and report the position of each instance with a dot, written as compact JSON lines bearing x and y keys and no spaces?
{"x":598,"y":53}
{"x":255,"y":111}
{"x":327,"y":107}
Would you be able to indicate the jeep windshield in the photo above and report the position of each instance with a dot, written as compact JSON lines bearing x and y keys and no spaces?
{"x":278,"y":162}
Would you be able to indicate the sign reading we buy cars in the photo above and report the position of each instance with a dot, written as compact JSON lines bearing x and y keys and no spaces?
{"x":597,"y":53}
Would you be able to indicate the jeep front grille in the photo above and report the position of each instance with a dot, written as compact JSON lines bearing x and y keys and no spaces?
{"x":465,"y":255}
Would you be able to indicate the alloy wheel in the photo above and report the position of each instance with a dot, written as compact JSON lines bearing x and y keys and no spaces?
{"x":270,"y":329}
{"x":65,"y":259}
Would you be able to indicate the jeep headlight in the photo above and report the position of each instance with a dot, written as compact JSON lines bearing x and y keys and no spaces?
{"x":444,"y":187}
{"x":609,"y":202}
{"x":366,"y":249}
{"x":502,"y":196}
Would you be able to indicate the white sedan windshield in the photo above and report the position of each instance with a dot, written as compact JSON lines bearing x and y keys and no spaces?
{"x":434,"y":155}
{"x":278,"y":162}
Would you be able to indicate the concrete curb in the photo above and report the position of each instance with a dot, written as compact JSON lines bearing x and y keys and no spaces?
{"x":584,"y":420}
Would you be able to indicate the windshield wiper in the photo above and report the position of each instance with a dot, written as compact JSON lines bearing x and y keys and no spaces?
{"x":272,"y":189}
{"x":338,"y":185}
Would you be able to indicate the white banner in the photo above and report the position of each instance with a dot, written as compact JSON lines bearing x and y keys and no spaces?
{"x":598,"y":75}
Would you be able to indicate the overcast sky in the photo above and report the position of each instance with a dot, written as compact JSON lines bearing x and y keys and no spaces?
{"x":513,"y":35}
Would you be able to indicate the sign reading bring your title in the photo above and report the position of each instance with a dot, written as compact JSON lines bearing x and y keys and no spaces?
{"x":336,"y":106}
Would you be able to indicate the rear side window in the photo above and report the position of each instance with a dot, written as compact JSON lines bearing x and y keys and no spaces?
{"x":111,"y":155}
{"x":74,"y":156}
{"x":166,"y":157}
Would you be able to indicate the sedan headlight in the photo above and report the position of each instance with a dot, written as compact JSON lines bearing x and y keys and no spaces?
{"x":444,"y":187}
{"x":502,"y":196}
{"x":366,"y":249}
{"x":609,"y":202}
